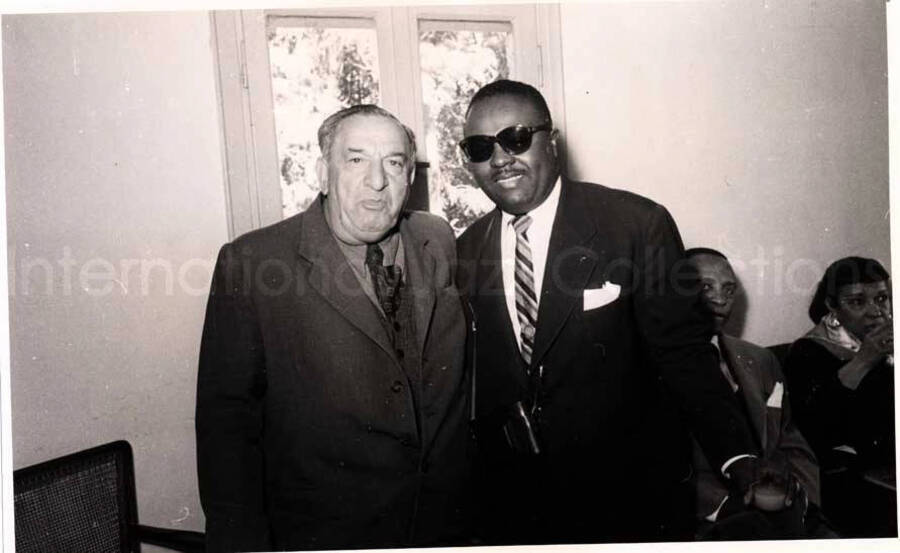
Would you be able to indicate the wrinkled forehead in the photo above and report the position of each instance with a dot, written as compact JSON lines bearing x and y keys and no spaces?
{"x":491,"y":115}
{"x":713,"y":267}
{"x":371,"y":131}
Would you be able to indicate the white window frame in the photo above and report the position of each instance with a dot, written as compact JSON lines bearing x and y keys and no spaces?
{"x":253,"y":189}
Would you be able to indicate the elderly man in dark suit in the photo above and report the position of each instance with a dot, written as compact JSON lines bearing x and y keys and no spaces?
{"x":754,"y":375}
{"x":590,"y":349}
{"x":332,"y":405}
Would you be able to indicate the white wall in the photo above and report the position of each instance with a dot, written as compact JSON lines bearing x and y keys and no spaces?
{"x":112,"y":155}
{"x":762,"y":126}
{"x":763,"y":129}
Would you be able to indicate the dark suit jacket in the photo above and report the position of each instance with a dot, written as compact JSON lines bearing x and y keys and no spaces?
{"x":831,"y":415}
{"x":615,"y":377}
{"x":757,"y":371}
{"x":307,"y":433}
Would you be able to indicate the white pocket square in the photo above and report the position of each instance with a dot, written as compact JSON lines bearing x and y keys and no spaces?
{"x":598,"y":297}
{"x":775,"y":397}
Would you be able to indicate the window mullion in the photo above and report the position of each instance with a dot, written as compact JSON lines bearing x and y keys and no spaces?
{"x":409,"y":92}
{"x":264,"y":151}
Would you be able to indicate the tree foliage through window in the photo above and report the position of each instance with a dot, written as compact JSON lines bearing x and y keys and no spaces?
{"x":315,"y":72}
{"x":318,"y":70}
{"x":455,"y":64}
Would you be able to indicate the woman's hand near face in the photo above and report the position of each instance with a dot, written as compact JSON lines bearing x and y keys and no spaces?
{"x":877,"y":344}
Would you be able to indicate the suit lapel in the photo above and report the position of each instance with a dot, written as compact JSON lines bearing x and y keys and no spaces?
{"x":570,"y":261}
{"x":420,"y":265}
{"x":331,"y":276}
{"x":489,"y":294}
{"x":750,"y":380}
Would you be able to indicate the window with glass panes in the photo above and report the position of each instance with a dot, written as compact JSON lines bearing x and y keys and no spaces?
{"x":283,"y":71}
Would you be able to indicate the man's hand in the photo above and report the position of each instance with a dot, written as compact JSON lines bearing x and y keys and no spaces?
{"x":768,"y":485}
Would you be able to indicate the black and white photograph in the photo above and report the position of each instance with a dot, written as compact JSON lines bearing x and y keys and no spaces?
{"x":359,"y":275}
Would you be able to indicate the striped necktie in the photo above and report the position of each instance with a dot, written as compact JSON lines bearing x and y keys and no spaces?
{"x":526,"y":300}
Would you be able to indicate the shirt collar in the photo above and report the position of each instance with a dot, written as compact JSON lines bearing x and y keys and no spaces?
{"x":724,"y":364}
{"x":543,"y":215}
{"x":391,"y":245}
{"x":716,"y":342}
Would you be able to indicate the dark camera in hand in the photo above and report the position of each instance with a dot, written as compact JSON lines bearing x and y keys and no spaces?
{"x":520,"y":431}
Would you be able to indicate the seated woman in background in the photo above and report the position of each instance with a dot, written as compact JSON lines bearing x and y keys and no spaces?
{"x":841,"y":377}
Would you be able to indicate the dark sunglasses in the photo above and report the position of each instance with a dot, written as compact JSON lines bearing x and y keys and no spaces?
{"x":514,"y":141}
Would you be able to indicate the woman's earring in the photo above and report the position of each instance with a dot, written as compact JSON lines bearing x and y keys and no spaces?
{"x":832,"y":321}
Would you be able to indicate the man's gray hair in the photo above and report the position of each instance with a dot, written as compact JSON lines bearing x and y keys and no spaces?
{"x":330,"y":126}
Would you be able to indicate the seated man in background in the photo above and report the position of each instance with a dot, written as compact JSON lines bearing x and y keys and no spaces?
{"x":790,"y":489}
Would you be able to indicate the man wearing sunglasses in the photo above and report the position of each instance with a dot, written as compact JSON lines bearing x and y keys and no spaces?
{"x":590,"y":356}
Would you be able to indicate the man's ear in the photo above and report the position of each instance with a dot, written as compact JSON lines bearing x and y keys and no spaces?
{"x":322,"y":175}
{"x":554,"y":142}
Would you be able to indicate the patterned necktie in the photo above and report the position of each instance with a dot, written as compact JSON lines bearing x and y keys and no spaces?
{"x":386,"y":280}
{"x":526,"y":300}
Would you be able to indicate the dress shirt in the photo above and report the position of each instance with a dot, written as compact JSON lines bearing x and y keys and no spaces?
{"x":729,"y":377}
{"x":723,"y":365}
{"x":538,"y":233}
{"x":726,"y":372}
{"x":542,"y":219}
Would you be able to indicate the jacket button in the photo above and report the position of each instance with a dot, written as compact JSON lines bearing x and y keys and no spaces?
{"x":400,"y":354}
{"x":396,"y":326}
{"x":397,"y":387}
